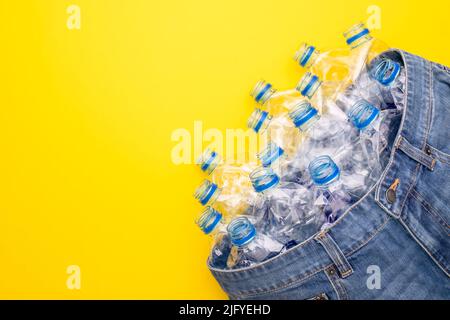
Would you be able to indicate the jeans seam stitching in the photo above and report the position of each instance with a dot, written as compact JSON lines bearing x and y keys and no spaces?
{"x":442,"y":67}
{"x":416,"y":154}
{"x":227,"y":274}
{"x":441,"y":156}
{"x":419,"y":242}
{"x":335,"y":286}
{"x":429,"y":106}
{"x":344,"y":264}
{"x":429,"y":208}
{"x":365,"y":242}
{"x":425,"y":242}
{"x":411,"y":185}
{"x":398,"y":135}
{"x":360,"y":245}
{"x":287,"y":285}
{"x":332,"y":255}
{"x":343,"y":294}
{"x":424,"y":143}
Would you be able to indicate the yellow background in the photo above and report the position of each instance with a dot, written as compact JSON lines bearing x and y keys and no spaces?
{"x":86,"y":176}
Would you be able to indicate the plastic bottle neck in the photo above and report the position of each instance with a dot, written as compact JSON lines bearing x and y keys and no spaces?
{"x":262,"y":92}
{"x":209,"y":220}
{"x":308,"y":85}
{"x":357,"y":35}
{"x":271,"y":153}
{"x":264,"y":179}
{"x":385,"y":71}
{"x":259,"y":120}
{"x":207,"y":193}
{"x":241,"y":231}
{"x":362,"y":114}
{"x":304,"y":115}
{"x":323,"y":171}
{"x":307,"y":55}
{"x":209,"y":161}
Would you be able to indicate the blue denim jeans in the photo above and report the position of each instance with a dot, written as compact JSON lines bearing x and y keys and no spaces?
{"x":383,"y":247}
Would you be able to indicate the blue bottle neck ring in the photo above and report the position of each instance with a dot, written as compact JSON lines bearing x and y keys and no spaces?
{"x":241,"y":231}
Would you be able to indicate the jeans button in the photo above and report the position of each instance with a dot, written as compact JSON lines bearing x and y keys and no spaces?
{"x":391,"y":195}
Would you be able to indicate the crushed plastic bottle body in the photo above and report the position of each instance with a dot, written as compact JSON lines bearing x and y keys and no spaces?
{"x":324,"y":134}
{"x":230,"y":190}
{"x":389,"y":78}
{"x":369,"y":64}
{"x":277,"y":129}
{"x":273,"y":101}
{"x":360,"y":164}
{"x":333,"y":67}
{"x":329,"y":193}
{"x":282,"y":209}
{"x":326,"y":140}
{"x":272,"y":155}
{"x":211,"y":222}
{"x":304,"y":119}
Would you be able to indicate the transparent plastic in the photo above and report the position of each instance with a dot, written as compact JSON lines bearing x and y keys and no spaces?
{"x":307,"y":55}
{"x":333,"y":67}
{"x":352,"y":140}
{"x":250,"y":246}
{"x":273,"y":101}
{"x":230,"y":190}
{"x":327,"y":138}
{"x":329,"y":193}
{"x":308,"y":85}
{"x":389,"y":81}
{"x":283,"y":209}
{"x":362,"y":167}
{"x":211,"y":222}
{"x":277,"y":129}
{"x":323,"y":134}
{"x":368,"y":65}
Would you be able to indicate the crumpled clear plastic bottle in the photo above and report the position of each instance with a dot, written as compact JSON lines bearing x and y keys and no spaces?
{"x":303,"y":118}
{"x":283,"y":210}
{"x":230,"y":190}
{"x":272,"y":155}
{"x":211,"y":222}
{"x":250,"y":246}
{"x":273,"y":101}
{"x":324,"y":134}
{"x":390,"y":79}
{"x":369,"y":64}
{"x":363,"y":167}
{"x":329,"y":192}
{"x":333,"y":66}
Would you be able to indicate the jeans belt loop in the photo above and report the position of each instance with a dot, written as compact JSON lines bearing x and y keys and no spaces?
{"x":335,"y":254}
{"x":416,"y":154}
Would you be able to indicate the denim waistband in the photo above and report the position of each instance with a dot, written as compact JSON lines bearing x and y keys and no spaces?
{"x":360,"y":223}
{"x":322,"y":251}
